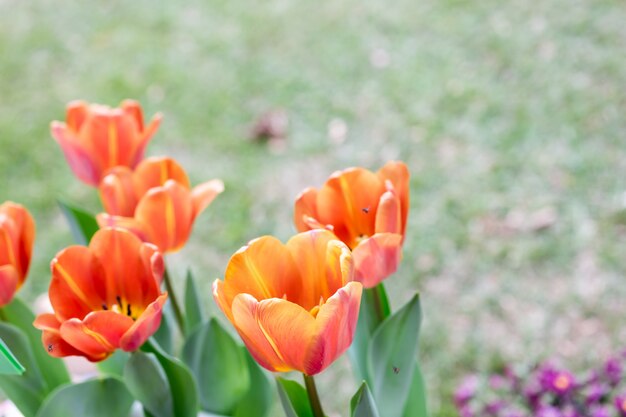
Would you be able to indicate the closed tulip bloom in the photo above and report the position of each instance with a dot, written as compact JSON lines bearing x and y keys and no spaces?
{"x":96,"y":138}
{"x":17,"y":234}
{"x":155,"y":201}
{"x":295,"y":306}
{"x":105,"y":297}
{"x":365,"y":210}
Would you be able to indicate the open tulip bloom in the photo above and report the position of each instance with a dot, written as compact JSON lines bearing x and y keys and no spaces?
{"x":367,"y":211}
{"x":155,"y":201}
{"x":17,"y":234}
{"x":96,"y":138}
{"x":295,"y":306}
{"x":105,"y":297}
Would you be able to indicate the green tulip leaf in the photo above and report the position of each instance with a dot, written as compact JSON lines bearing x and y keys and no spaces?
{"x":82,"y":223}
{"x":363,"y":404}
{"x":114,"y":364}
{"x":27,"y":391}
{"x":52,"y":369}
{"x":416,"y":401}
{"x":9,"y":365}
{"x":294,"y":398}
{"x":163,"y":335}
{"x":257,"y":402}
{"x":147,"y":381}
{"x":184,"y":390}
{"x":104,"y":397}
{"x":219,"y":366}
{"x":391,"y":357}
{"x":193,"y":306}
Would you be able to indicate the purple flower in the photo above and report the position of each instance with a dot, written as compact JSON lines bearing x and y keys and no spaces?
{"x":466,"y":411}
{"x":557,"y":381}
{"x":494,"y":407}
{"x":620,"y":404}
{"x":548,"y":411}
{"x":613,"y":370}
{"x":466,"y":390}
{"x":600,"y":411}
{"x":595,"y":392}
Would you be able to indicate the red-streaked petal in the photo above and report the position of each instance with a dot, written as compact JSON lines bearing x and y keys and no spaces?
{"x":24,"y":235}
{"x":132,"y":108}
{"x":51,"y":337}
{"x":78,"y":154}
{"x":145,"y":137}
{"x":377,"y":258}
{"x":276,"y":332}
{"x":127,"y":223}
{"x":77,"y":286}
{"x":9,"y":281}
{"x":305,"y":207}
{"x":203,"y":194}
{"x":112,"y":136}
{"x":388,"y":215}
{"x":117,"y":192}
{"x":155,"y":171}
{"x":126,"y":273}
{"x":398,"y":173}
{"x":145,"y":326}
{"x":76,"y":113}
{"x":264,"y":269}
{"x":336,"y":323}
{"x":166,"y":213}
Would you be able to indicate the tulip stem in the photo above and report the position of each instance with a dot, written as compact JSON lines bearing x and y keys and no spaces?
{"x":180,"y":320}
{"x":381,"y":303}
{"x":314,"y":398}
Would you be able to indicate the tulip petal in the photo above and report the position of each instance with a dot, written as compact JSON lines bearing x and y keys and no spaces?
{"x":275,"y":331}
{"x":203,"y":194}
{"x":320,"y":259}
{"x":127,"y":223}
{"x":132,"y":108}
{"x":144,"y":139}
{"x":51,"y":337}
{"x":144,"y":326}
{"x":155,"y":171}
{"x":127,"y":277}
{"x":305,"y":206}
{"x":9,"y":280}
{"x":348,"y":201}
{"x":77,"y":285}
{"x":78,"y":155}
{"x":166,"y":213}
{"x":24,"y":237}
{"x":377,"y":258}
{"x":117,"y":192}
{"x":250,"y":271}
{"x":75,"y":115}
{"x":398,"y":173}
{"x":388,"y":215}
{"x":112,"y":136}
{"x":336,"y":323}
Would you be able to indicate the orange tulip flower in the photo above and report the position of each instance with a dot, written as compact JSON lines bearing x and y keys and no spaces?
{"x":155,"y":201}
{"x":365,"y":210}
{"x":295,"y":306}
{"x":105,"y":297}
{"x":17,"y":234}
{"x":95,"y":138}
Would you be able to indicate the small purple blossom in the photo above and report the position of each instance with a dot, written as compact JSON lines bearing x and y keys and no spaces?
{"x":613,"y":370}
{"x":466,"y":390}
{"x":548,"y":411}
{"x":600,"y":411}
{"x":620,"y":404}
{"x":557,"y":381}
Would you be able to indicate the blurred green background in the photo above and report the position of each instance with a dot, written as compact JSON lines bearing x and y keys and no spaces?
{"x":510,"y":115}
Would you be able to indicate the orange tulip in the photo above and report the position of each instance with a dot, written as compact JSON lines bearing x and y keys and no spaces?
{"x":95,"y":138}
{"x":365,"y":210}
{"x":295,"y":306}
{"x":105,"y":297}
{"x":155,"y":201}
{"x":17,"y":234}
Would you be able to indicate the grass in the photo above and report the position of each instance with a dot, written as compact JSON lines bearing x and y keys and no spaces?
{"x":500,"y":109}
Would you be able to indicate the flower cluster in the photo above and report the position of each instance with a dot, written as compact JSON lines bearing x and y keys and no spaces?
{"x":546,"y":391}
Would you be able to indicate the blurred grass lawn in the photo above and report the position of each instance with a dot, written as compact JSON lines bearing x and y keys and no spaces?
{"x":510,"y":115}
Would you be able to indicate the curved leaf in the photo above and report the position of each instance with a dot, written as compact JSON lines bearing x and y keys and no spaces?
{"x":294,"y":398}
{"x":193,"y":306}
{"x":82,"y":223}
{"x":258,"y":400}
{"x":9,"y":365}
{"x":147,"y":381}
{"x":362,"y":404}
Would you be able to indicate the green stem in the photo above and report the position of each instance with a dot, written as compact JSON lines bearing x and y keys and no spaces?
{"x":314,"y":398}
{"x":381,"y":305}
{"x":3,"y":316}
{"x":180,"y":320}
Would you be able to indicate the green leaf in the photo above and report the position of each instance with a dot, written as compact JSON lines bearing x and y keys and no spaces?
{"x":82,"y":223}
{"x":114,"y":364}
{"x":52,"y":369}
{"x":368,"y":322}
{"x":104,"y":397}
{"x":27,"y":391}
{"x":416,"y":401}
{"x":362,"y":404}
{"x":181,"y":381}
{"x":147,"y":381}
{"x":9,"y":365}
{"x":391,"y":358}
{"x":258,"y":400}
{"x":193,"y":306}
{"x":219,"y":366}
{"x":163,"y":335}
{"x":294,"y":398}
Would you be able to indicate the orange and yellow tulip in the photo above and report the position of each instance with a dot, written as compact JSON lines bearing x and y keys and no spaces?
{"x":96,"y":138}
{"x":105,"y":297}
{"x":156,"y":201}
{"x":367,"y":211}
{"x":295,"y":306}
{"x":17,"y":235}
